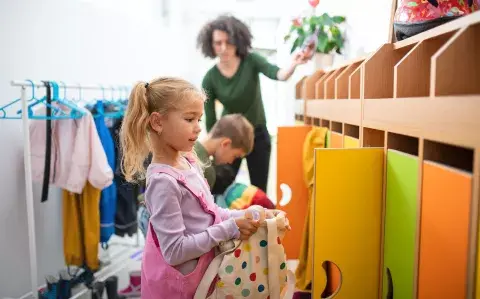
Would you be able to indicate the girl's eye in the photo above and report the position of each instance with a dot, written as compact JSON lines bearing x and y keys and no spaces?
{"x":189,"y":119}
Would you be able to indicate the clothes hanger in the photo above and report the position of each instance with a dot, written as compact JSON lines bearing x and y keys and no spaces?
{"x":3,"y":113}
{"x":43,"y":100}
{"x":75,"y":111}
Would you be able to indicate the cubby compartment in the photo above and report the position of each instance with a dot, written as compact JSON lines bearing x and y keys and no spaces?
{"x":351,"y":138}
{"x":378,"y":71}
{"x":308,"y":120}
{"x":373,"y":137}
{"x":456,"y":66}
{"x":309,"y":85}
{"x":330,"y":84}
{"x":347,"y":222}
{"x":401,"y":198}
{"x":336,"y":136}
{"x":403,"y":143}
{"x":445,"y":218}
{"x":325,"y":123}
{"x":299,"y":88}
{"x":316,"y":121}
{"x":354,"y":81}
{"x":320,"y":86}
{"x":412,"y":72}
{"x":337,"y":127}
{"x":342,"y":81}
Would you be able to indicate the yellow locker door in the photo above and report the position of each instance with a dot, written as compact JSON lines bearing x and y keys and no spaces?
{"x":347,"y":220}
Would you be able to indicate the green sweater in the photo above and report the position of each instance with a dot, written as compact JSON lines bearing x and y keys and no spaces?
{"x":240,"y":93}
{"x":209,"y":171}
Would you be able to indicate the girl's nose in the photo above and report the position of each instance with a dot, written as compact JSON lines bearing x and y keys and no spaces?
{"x":198,"y":129}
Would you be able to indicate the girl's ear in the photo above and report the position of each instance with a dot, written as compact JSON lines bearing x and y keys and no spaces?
{"x":156,"y":122}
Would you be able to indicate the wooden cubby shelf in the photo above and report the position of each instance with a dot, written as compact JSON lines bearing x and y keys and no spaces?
{"x":414,"y":106}
{"x":342,"y":82}
{"x":456,"y":65}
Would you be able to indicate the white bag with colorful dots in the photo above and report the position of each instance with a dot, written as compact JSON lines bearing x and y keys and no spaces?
{"x":254,"y":269}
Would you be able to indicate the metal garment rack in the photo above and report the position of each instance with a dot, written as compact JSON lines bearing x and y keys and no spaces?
{"x":28,"y":171}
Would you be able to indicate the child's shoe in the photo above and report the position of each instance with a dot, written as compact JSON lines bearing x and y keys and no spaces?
{"x":52,"y":287}
{"x":65,"y":285}
{"x":111,"y":287}
{"x":97,"y":290}
{"x":133,"y":289}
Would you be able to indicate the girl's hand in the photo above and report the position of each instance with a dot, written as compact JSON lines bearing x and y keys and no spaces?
{"x":247,"y":227}
{"x":273,"y":213}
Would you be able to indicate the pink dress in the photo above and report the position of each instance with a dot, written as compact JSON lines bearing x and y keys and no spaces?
{"x":159,"y":278}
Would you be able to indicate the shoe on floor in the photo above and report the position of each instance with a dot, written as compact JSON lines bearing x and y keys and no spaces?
{"x":134,"y":287}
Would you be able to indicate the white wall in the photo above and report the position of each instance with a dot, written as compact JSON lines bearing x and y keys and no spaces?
{"x":118,"y":42}
{"x":91,"y":42}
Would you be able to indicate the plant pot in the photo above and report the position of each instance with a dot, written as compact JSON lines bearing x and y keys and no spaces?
{"x":322,"y":61}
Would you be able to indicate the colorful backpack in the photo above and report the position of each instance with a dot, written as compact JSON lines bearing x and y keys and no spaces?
{"x":253,"y":269}
{"x":240,"y":196}
{"x":415,"y":16}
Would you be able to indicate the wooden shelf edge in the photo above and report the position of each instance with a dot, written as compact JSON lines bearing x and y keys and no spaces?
{"x":448,"y":27}
{"x":452,"y":120}
{"x":345,"y":111}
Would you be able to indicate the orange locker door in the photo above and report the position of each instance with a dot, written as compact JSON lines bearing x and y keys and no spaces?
{"x":290,"y":179}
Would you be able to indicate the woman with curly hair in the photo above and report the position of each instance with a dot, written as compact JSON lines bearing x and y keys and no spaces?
{"x":235,"y":82}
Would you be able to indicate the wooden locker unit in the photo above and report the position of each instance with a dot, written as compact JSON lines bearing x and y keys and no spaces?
{"x":425,"y":88}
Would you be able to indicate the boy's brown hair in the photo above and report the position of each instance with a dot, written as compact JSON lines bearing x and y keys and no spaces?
{"x":237,"y":128}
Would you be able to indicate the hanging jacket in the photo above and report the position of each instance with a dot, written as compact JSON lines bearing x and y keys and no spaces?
{"x":314,"y":139}
{"x":77,"y":155}
{"x":127,"y":193}
{"x":108,"y":199}
{"x":81,"y":227}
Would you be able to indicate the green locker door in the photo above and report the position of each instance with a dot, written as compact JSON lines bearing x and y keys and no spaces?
{"x":400,"y":224}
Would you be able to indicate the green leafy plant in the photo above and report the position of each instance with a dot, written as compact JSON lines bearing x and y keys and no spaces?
{"x":330,"y":38}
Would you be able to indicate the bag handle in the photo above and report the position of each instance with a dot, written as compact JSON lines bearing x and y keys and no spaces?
{"x":211,"y":273}
{"x":273,"y":266}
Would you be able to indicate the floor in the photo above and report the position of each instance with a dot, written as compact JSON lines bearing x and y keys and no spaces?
{"x":125,"y":255}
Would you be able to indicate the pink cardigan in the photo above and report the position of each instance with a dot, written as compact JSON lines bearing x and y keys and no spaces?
{"x":77,"y":154}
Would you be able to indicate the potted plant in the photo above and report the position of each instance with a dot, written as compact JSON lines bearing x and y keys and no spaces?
{"x":322,"y":32}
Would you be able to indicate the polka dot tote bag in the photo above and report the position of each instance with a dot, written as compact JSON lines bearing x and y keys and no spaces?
{"x":255,"y":268}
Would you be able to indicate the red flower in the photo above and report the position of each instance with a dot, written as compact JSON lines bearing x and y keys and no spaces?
{"x":313,"y":3}
{"x":296,"y":22}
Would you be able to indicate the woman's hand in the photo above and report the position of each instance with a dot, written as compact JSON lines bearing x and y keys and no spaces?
{"x":299,"y":58}
{"x":247,"y":227}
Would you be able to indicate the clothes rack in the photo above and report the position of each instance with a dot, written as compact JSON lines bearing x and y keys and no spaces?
{"x":28,"y":169}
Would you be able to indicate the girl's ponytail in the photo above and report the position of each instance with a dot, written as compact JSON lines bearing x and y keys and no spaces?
{"x":134,"y":134}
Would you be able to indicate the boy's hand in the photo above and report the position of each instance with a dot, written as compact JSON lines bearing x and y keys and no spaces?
{"x":247,"y":227}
